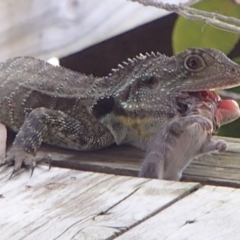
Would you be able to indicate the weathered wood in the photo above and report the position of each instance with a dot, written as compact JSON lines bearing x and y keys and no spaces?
{"x":44,"y":28}
{"x":218,"y":169}
{"x":68,"y":204}
{"x":3,"y":140}
{"x":209,"y":213}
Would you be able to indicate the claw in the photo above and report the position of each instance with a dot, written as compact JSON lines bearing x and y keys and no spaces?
{"x":3,"y":164}
{"x":32,"y":169}
{"x":49,"y":160}
{"x":8,"y":162}
{"x":12,"y":174}
{"x":19,"y":158}
{"x":15,"y":172}
{"x":46,"y":159}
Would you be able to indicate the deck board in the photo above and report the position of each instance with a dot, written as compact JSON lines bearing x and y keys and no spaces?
{"x":209,"y":213}
{"x":218,"y":169}
{"x":65,"y":204}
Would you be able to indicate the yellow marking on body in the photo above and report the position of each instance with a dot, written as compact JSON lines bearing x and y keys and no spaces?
{"x":138,"y":125}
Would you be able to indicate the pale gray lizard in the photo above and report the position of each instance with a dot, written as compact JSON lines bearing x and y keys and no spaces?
{"x":44,"y":103}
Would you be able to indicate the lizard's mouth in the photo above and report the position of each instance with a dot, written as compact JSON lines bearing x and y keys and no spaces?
{"x":227,"y":109}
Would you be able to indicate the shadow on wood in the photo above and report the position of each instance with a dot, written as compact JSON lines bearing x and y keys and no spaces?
{"x":217,"y":169}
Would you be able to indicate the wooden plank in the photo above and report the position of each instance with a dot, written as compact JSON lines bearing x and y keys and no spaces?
{"x":67,"y":204}
{"x":218,"y":169}
{"x":209,"y":213}
{"x":3,"y":140}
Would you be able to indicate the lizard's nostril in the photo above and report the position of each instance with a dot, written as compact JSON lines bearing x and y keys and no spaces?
{"x":233,"y":70}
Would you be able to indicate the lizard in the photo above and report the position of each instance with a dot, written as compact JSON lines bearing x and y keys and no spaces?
{"x":44,"y":103}
{"x":187,"y":136}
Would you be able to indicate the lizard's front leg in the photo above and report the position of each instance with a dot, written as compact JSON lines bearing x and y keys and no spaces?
{"x":55,"y":127}
{"x":153,"y":166}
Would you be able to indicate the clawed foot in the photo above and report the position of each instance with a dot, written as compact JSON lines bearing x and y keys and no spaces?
{"x":205,"y":124}
{"x":18,"y":157}
{"x":221,"y":146}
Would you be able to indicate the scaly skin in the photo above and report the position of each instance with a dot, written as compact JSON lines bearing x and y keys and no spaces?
{"x":55,"y":105}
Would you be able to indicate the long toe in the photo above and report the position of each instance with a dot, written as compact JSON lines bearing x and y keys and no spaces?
{"x":47,"y":159}
{"x":9,"y":160}
{"x":32,"y":168}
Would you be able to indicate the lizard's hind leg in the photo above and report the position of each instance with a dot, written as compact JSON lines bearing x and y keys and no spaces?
{"x":57,"y":128}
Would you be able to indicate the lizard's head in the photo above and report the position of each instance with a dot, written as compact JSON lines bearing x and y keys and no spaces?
{"x":150,"y":82}
{"x":204,"y":69}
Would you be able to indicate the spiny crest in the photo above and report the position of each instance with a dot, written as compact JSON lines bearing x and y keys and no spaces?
{"x":131,"y":62}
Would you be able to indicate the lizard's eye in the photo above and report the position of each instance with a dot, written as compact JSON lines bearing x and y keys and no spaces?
{"x":194,"y":62}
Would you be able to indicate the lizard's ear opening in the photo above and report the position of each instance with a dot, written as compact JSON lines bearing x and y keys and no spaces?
{"x":152,"y":82}
{"x":103,"y":106}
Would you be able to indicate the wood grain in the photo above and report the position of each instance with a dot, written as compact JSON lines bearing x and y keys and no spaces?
{"x":68,"y":204}
{"x":209,"y":213}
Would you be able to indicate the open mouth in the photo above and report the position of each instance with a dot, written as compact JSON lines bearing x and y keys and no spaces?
{"x":227,"y":109}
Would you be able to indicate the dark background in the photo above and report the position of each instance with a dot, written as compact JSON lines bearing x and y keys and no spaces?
{"x":99,"y":59}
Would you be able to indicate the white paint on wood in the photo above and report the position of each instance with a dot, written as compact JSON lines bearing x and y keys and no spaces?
{"x":67,"y":204}
{"x":209,"y":213}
